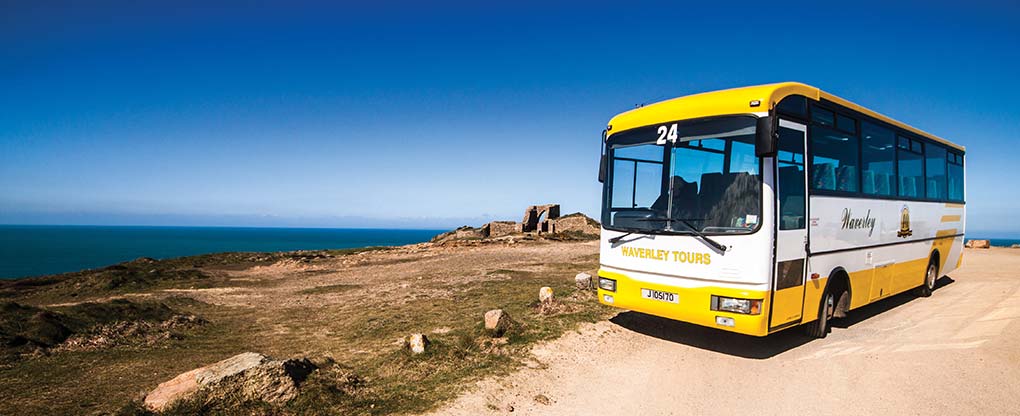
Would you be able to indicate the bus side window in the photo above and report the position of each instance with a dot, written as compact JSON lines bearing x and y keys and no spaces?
{"x":878,"y":146}
{"x":834,"y":160}
{"x":790,"y":159}
{"x":955,"y":176}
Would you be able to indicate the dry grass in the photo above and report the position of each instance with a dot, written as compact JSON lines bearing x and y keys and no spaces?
{"x":348,"y":317}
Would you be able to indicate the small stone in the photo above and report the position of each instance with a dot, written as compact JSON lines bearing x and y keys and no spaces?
{"x":510,"y":408}
{"x":417,"y":343}
{"x":582,"y":281}
{"x":542,"y":399}
{"x":497,"y":322}
{"x":545,"y":294}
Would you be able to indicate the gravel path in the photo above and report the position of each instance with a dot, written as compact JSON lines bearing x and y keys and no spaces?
{"x":957,"y":352}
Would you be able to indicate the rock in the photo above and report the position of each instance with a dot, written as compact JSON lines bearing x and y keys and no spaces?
{"x":978,"y":244}
{"x":231,"y":366}
{"x":545,"y":294}
{"x":250,"y":375}
{"x":417,"y":343}
{"x":583,"y":281}
{"x":542,"y":399}
{"x":1015,"y":246}
{"x":177,"y":388}
{"x":497,"y":322}
{"x":271,"y":382}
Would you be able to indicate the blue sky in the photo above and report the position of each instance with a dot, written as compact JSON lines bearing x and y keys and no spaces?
{"x":418,"y":114}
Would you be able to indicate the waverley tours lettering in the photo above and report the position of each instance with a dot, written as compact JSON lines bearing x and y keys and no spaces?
{"x":858,"y":223}
{"x":667,"y":255}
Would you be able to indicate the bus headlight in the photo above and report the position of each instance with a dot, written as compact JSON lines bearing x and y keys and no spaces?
{"x":607,"y":284}
{"x":744,"y":306}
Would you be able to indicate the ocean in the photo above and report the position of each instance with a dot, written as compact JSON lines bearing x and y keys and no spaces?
{"x":33,"y":250}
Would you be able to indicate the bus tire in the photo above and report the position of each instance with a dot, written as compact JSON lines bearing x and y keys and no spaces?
{"x":931,"y":274}
{"x":819,"y":328}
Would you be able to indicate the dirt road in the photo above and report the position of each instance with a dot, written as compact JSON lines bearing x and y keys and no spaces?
{"x":957,"y":352}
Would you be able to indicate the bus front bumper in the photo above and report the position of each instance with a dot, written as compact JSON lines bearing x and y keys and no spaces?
{"x":694,"y":305}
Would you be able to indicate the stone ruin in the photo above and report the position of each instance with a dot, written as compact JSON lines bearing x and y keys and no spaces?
{"x":534,"y":220}
{"x":538,"y":220}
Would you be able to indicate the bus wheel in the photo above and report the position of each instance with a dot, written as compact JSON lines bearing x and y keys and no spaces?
{"x":819,"y":328}
{"x":930,"y":277}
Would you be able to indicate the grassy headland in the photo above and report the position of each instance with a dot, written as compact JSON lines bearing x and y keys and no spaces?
{"x":96,"y":341}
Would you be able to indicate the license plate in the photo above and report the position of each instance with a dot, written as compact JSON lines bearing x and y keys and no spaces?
{"x":660,"y":296}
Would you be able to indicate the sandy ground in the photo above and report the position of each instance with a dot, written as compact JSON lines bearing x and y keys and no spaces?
{"x":957,"y":352}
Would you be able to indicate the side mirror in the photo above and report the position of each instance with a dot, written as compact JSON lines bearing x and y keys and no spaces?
{"x":604,"y":162}
{"x":766,"y":135}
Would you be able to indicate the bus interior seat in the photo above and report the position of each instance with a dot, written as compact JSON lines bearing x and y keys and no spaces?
{"x":868,"y":181}
{"x":792,"y":205}
{"x":882,"y":184}
{"x":685,"y":198}
{"x":719,"y":187}
{"x":846,"y":178}
{"x":908,"y":186}
{"x":823,"y":176}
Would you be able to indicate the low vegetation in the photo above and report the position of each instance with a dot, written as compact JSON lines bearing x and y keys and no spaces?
{"x":348,"y":312}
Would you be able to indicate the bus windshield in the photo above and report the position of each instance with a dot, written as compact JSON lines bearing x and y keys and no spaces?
{"x":673,"y":177}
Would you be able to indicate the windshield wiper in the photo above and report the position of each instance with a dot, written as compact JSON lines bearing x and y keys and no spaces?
{"x":704,"y":237}
{"x":617,"y":239}
{"x":694,"y":230}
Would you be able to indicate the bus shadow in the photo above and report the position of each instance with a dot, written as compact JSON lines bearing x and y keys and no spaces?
{"x":745,"y":346}
{"x":710,"y":338}
{"x":866,"y":312}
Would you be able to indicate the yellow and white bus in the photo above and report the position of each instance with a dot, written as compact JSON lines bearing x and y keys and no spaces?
{"x":758,"y":209}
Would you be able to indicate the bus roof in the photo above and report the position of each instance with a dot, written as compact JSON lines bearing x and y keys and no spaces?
{"x":738,"y":101}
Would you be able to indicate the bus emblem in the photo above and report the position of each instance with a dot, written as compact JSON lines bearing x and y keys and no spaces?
{"x":904,"y":223}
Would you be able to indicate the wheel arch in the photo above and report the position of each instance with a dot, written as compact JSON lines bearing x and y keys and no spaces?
{"x":840,"y":278}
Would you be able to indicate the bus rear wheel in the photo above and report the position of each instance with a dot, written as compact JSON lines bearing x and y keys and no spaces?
{"x":930,"y":276}
{"x":819,"y":328}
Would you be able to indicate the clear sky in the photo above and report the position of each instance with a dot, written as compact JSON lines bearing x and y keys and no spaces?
{"x":437,"y":114}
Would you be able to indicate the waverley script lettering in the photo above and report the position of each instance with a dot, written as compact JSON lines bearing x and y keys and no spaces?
{"x":858,"y":223}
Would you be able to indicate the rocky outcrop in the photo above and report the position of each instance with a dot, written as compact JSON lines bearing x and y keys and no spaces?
{"x":462,"y":233}
{"x":249,"y":376}
{"x":978,"y":244}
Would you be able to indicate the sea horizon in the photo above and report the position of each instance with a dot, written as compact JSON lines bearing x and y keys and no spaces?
{"x":31,"y":250}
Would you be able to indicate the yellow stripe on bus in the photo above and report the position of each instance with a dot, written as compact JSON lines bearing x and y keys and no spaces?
{"x":950,"y":218}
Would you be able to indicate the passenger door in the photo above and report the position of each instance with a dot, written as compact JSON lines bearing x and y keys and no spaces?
{"x":791,"y":235}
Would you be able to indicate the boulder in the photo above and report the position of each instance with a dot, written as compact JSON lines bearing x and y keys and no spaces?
{"x":274,"y":381}
{"x":978,"y":244}
{"x":583,"y":281}
{"x":497,"y":322}
{"x":417,"y":343}
{"x":545,"y":294}
{"x":250,"y":375}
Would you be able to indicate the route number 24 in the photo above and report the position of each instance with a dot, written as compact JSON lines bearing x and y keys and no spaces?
{"x":666,"y":133}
